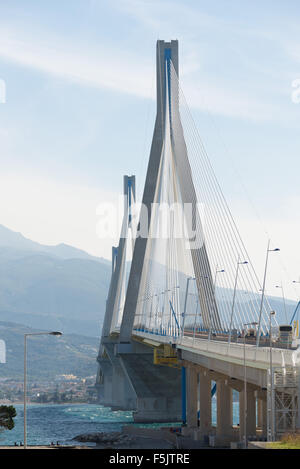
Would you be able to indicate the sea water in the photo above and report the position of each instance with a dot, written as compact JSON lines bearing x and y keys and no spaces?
{"x":48,"y":423}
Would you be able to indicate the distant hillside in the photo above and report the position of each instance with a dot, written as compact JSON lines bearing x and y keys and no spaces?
{"x":277,"y":305}
{"x":51,"y":287}
{"x":48,"y":356}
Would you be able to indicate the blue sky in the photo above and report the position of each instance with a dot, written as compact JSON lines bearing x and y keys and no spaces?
{"x":79,"y":112}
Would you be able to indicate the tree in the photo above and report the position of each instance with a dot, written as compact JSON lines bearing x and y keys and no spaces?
{"x":7,"y":414}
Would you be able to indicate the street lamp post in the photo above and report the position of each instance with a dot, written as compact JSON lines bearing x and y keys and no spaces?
{"x":296,"y":323}
{"x":283,"y":298}
{"x":25,"y":377}
{"x":263,"y":291}
{"x":234,"y":294}
{"x":202,"y":277}
{"x":272,"y":313}
{"x":215,"y":283}
{"x":245,"y":383}
{"x":185,"y":302}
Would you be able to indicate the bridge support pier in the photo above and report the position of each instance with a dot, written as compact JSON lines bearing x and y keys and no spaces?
{"x":205,"y":403}
{"x":198,"y":395}
{"x":157,"y":388}
{"x":251,"y":412}
{"x":262,"y":413}
{"x":192,"y":397}
{"x":118,"y":392}
{"x":105,"y":382}
{"x":264,"y":418}
{"x":224,"y":429}
{"x":123,"y":396}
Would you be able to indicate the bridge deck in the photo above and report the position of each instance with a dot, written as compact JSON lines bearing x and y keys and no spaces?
{"x":233,"y":352}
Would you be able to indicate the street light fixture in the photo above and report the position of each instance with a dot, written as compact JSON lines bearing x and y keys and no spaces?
{"x":216,"y":273}
{"x":245,"y":383}
{"x":263,"y":290}
{"x":25,"y":376}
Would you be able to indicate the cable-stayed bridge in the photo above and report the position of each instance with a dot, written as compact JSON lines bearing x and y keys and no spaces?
{"x":187,"y":318}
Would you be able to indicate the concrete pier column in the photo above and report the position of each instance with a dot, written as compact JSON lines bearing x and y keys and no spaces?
{"x":191,"y":397}
{"x":262,"y":416}
{"x":251,"y":412}
{"x":259,"y":413}
{"x":264,"y":426}
{"x":120,"y":390}
{"x":262,"y":412}
{"x":205,"y":403}
{"x":224,"y":410}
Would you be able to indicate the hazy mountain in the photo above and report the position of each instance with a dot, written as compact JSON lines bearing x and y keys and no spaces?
{"x":283,"y":314}
{"x":51,"y":287}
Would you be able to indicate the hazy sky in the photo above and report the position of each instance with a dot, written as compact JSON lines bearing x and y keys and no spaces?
{"x":79,"y":113}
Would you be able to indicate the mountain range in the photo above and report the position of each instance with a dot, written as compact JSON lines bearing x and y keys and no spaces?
{"x":58,"y":288}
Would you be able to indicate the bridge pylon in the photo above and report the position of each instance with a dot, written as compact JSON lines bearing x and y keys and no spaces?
{"x":114,"y":390}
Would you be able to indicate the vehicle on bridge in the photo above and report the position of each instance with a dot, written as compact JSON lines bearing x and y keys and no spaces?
{"x":285,"y":335}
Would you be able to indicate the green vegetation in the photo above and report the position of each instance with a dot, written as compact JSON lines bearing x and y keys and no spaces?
{"x":7,"y":414}
{"x":47,"y":356}
{"x":81,"y":393}
{"x":288,"y":441}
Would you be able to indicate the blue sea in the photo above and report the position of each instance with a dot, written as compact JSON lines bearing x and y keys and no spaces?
{"x":52,"y":423}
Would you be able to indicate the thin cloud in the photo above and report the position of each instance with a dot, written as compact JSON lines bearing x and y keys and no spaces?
{"x":100,"y":69}
{"x":119,"y":71}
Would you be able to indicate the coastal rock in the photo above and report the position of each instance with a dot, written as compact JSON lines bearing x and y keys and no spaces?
{"x":103,"y":437}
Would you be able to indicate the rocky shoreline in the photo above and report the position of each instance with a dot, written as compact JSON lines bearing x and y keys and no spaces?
{"x":121,"y":440}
